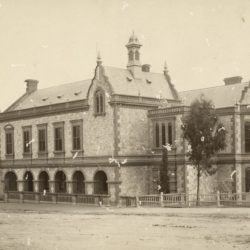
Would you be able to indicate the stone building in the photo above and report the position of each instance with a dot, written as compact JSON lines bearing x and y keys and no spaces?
{"x":105,"y":135}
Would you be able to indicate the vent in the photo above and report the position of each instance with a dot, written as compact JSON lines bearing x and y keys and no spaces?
{"x":232,"y":80}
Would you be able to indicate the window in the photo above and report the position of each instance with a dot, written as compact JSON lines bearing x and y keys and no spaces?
{"x":59,"y":137}
{"x":163,"y":133}
{"x":157,"y":135}
{"x":137,"y":55}
{"x":247,"y":137}
{"x":170,"y":133}
{"x":130,"y":55}
{"x":9,"y":143}
{"x":99,"y":102}
{"x":76,"y":137}
{"x":42,"y":139}
{"x":27,"y":140}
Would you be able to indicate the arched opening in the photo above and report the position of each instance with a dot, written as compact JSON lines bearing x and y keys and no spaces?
{"x":43,"y":182}
{"x":101,"y":185}
{"x":78,"y":182}
{"x":99,"y":102}
{"x":137,"y":55}
{"x":10,"y":181}
{"x":28,"y":182}
{"x":60,"y":182}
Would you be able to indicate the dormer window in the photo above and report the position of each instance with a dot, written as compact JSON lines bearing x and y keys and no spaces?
{"x":99,"y":102}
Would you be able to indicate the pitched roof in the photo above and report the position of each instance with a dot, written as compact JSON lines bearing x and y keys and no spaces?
{"x":152,"y":85}
{"x":222,"y":96}
{"x":53,"y":95}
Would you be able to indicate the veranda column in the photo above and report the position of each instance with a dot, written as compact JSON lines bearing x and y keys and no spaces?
{"x":36,"y":190}
{"x":20,"y":188}
{"x":114,"y":191}
{"x":52,"y":190}
{"x":89,"y":187}
{"x":69,"y":187}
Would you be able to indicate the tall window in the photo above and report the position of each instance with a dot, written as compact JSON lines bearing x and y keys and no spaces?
{"x":42,"y":139}
{"x":99,"y":102}
{"x":9,"y":143}
{"x":163,"y":133}
{"x":170,"y":133}
{"x":9,"y":140}
{"x":27,"y":140}
{"x":247,"y":137}
{"x":157,"y":135}
{"x":59,"y":138}
{"x":76,"y":137}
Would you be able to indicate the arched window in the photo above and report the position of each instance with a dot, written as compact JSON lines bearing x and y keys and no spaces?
{"x":78,"y":182}
{"x":28,"y":182}
{"x":130,"y":55}
{"x":137,"y":55}
{"x":43,"y":181}
{"x":10,"y":181}
{"x":99,"y":102}
{"x":157,"y":135}
{"x":60,"y":182}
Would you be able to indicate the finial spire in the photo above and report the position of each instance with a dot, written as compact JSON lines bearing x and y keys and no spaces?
{"x":165,"y":68}
{"x":99,"y":59}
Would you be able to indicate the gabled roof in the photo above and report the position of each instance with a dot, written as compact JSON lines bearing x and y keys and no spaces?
{"x":222,"y":96}
{"x":152,"y":85}
{"x":53,"y":95}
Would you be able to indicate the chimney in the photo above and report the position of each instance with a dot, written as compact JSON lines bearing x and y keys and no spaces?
{"x":146,"y":68}
{"x":31,"y":85}
{"x":232,"y":80}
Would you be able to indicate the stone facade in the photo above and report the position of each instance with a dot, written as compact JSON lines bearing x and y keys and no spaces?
{"x":121,"y":111}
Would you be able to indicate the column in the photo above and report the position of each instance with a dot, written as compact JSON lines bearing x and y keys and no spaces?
{"x":36,"y":190}
{"x":52,"y":190}
{"x":20,"y":187}
{"x":113,"y":188}
{"x":89,"y":187}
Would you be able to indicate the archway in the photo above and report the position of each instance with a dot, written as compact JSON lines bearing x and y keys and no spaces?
{"x":43,"y":181}
{"x":60,"y":182}
{"x":78,"y":182}
{"x":10,"y":181}
{"x":100,"y":183}
{"x":28,"y":182}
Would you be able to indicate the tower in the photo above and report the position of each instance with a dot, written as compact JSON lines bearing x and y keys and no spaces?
{"x":134,"y":64}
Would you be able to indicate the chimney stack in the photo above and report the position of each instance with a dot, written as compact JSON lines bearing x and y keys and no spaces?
{"x":31,"y":85}
{"x":232,"y":80}
{"x":146,"y":67}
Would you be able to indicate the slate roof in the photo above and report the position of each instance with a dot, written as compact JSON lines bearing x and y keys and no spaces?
{"x":152,"y":85}
{"x":222,"y":96}
{"x":53,"y":95}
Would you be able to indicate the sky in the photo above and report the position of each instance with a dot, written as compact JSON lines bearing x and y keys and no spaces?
{"x":56,"y":41}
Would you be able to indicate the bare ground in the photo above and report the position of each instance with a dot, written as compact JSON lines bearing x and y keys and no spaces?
{"x":54,"y":226}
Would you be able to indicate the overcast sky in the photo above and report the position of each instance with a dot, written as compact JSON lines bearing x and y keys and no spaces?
{"x":55,"y":41}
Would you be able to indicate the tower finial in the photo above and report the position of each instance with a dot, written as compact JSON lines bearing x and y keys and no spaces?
{"x":99,"y":59}
{"x":165,"y":68}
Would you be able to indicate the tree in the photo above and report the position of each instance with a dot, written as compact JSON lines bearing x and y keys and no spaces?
{"x":205,"y":136}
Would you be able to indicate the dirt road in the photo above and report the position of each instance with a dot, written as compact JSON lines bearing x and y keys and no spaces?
{"x":61,"y":227}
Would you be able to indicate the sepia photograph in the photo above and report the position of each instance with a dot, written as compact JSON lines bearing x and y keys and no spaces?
{"x":124,"y":124}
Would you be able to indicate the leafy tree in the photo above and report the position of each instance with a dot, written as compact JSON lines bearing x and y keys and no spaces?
{"x":205,"y":136}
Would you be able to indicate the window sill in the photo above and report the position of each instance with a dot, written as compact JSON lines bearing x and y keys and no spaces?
{"x":42,"y":154}
{"x":27,"y":155}
{"x":9,"y":156}
{"x":59,"y":154}
{"x":79,"y":154}
{"x":100,"y":114}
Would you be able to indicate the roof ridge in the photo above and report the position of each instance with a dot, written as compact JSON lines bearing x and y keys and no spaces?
{"x":58,"y":85}
{"x":218,"y":86}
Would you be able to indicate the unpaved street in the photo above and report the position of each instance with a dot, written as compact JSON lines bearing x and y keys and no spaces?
{"x":51,"y":226}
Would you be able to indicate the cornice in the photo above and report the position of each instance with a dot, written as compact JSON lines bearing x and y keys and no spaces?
{"x":45,"y":110}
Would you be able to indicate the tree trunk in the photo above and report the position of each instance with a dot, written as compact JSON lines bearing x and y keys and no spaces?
{"x":198,"y":186}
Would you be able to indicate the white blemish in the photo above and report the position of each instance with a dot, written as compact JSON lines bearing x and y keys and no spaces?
{"x":13,"y":65}
{"x":124,"y":5}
